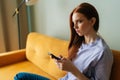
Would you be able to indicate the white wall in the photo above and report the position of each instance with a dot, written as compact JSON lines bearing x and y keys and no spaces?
{"x":51,"y":17}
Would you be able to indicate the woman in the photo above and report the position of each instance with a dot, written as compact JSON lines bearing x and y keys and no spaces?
{"x":89,"y":57}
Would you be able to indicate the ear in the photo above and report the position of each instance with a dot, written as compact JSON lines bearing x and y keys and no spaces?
{"x":93,"y":20}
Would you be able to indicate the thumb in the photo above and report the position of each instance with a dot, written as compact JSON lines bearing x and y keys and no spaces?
{"x":61,"y":56}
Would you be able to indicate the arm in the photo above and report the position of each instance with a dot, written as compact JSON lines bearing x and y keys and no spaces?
{"x":67,"y":65}
{"x":12,"y":57}
{"x":103,"y":67}
{"x":78,"y":74}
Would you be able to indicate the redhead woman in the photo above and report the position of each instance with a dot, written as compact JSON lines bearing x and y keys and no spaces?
{"x":89,"y":56}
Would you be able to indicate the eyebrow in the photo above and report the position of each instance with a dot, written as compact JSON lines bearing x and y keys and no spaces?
{"x":78,"y":19}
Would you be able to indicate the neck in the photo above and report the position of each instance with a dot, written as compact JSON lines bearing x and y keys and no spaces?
{"x":90,"y":38}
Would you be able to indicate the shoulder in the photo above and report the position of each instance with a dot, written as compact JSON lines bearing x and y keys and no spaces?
{"x":101,"y":48}
{"x":101,"y":45}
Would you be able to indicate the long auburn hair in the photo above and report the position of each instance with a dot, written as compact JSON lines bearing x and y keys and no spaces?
{"x":75,"y":41}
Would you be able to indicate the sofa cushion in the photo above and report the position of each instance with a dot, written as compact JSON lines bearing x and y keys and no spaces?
{"x":37,"y":48}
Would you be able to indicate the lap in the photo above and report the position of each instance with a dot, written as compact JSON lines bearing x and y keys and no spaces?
{"x":29,"y":76}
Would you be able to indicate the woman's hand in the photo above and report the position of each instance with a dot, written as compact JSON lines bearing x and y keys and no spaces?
{"x":65,"y":64}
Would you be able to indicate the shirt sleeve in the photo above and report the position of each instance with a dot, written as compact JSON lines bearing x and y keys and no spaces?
{"x":103,"y":67}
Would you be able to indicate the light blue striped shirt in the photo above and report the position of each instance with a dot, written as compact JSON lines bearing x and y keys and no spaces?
{"x":94,"y":60}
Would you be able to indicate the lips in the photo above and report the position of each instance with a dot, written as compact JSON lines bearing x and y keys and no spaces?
{"x":77,"y":31}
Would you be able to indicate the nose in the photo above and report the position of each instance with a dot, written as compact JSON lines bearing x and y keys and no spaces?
{"x":75,"y":27}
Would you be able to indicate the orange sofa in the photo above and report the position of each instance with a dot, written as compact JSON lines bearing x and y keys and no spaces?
{"x":35,"y":58}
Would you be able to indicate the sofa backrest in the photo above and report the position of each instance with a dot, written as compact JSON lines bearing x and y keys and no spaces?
{"x":37,"y":48}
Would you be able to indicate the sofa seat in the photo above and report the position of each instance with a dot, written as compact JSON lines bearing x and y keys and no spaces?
{"x":23,"y":66}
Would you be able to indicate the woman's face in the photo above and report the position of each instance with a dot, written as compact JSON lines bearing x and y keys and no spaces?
{"x":82,"y":25}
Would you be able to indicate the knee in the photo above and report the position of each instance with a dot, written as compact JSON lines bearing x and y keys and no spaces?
{"x":19,"y":76}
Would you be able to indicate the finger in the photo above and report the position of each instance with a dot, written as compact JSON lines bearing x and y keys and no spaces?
{"x":61,"y":66}
{"x":62,"y":60}
{"x":60,"y":56}
{"x":56,"y":62}
{"x":59,"y":61}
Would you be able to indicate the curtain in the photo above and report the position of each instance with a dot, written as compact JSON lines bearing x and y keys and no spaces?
{"x":13,"y":30}
{"x":2,"y":42}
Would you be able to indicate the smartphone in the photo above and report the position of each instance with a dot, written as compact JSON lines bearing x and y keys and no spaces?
{"x":53,"y":56}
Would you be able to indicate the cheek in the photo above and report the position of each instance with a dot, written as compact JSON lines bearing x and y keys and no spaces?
{"x":82,"y":27}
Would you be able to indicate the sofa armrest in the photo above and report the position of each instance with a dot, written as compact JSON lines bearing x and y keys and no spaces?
{"x":12,"y":57}
{"x":115,"y":74}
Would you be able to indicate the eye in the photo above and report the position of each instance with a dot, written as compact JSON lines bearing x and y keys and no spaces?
{"x":80,"y":21}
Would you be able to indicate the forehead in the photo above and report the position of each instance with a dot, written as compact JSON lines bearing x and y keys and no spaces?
{"x":77,"y":16}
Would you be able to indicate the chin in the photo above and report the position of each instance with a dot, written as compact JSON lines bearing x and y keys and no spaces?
{"x":80,"y":34}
